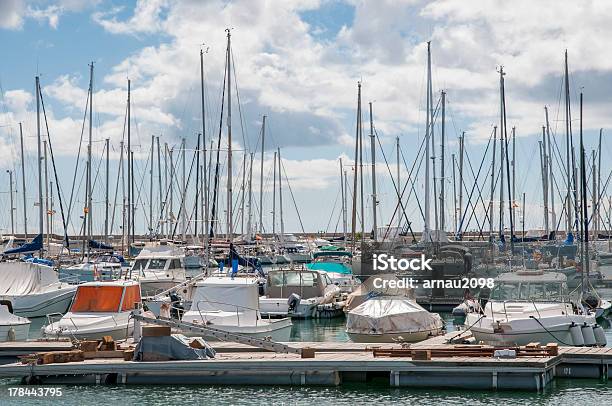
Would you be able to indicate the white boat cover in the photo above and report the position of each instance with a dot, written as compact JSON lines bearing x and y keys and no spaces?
{"x":368,"y":289}
{"x":23,"y":278}
{"x":389,"y":315}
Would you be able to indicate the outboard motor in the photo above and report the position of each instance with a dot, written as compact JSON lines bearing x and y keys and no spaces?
{"x":177,"y":309}
{"x":293,"y":301}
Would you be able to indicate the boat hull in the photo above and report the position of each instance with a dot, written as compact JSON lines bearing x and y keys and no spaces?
{"x":408,"y":337}
{"x":41,"y":304}
{"x":277,"y":330}
{"x":19,"y":332}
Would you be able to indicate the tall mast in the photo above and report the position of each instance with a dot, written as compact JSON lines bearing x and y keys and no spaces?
{"x":250,"y":217}
{"x":512,"y":200}
{"x":361,"y":173}
{"x":342,"y":192}
{"x":165,"y":211}
{"x":12,"y":204}
{"x":204,"y":177}
{"x":159,"y":180}
{"x":427,"y":137}
{"x":242,"y":191}
{"x":598,"y":205}
{"x":23,"y":188}
{"x":261,"y":165}
{"x":230,"y":226}
{"x":594,"y":195}
{"x":568,"y":135}
{"x":40,"y":192}
{"x":274,"y":198}
{"x":461,"y":153}
{"x":171,"y":198}
{"x":129,"y":170}
{"x":442,"y":180}
{"x":151,"y":188}
{"x":280,"y":197}
{"x":502,"y":130}
{"x":354,"y":211}
{"x":544,"y":168}
{"x":89,"y":168}
{"x":491,"y":202}
{"x":585,"y":217}
{"x":183,"y":205}
{"x":106,"y":200}
{"x":551,"y":181}
{"x":199,"y":190}
{"x":373,"y":146}
{"x":454,"y":197}
{"x":397,"y":164}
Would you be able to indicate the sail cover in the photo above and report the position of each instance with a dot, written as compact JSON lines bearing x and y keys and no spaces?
{"x":99,"y":245}
{"x":35,"y":245}
{"x":23,"y":278}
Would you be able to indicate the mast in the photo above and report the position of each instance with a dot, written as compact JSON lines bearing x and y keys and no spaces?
{"x":230,"y":226}
{"x":151,"y":188}
{"x":427,"y":137}
{"x":454,"y":197}
{"x":374,"y":225}
{"x":442,"y":141}
{"x":461,"y":153}
{"x":165,"y":210}
{"x":204,"y":177}
{"x":512,"y":200}
{"x":40,"y":192}
{"x":342,"y":192}
{"x":274,"y":199}
{"x":159,"y":181}
{"x":594,"y":195}
{"x":568,"y":135}
{"x":261,"y":165}
{"x":597,"y":212}
{"x":183,"y":205}
{"x":502,"y":130}
{"x":507,"y":161}
{"x":12,"y":205}
{"x":280,"y":197}
{"x":106,"y":203}
{"x":171,"y":186}
{"x":551,"y":181}
{"x":23,"y":188}
{"x":397,"y":162}
{"x":585,"y":217}
{"x":129,"y":170}
{"x":491,"y":202}
{"x":544,"y":191}
{"x":243,"y":189}
{"x":249,"y":218}
{"x":199,"y":190}
{"x":354,"y":211}
{"x":361,"y":173}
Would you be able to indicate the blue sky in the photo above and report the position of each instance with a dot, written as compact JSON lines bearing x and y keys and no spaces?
{"x":298,"y":62}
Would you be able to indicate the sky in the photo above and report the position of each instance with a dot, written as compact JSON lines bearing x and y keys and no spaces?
{"x":298,"y":62}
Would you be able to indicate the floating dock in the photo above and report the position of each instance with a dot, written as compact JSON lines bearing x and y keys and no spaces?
{"x":334,"y":364}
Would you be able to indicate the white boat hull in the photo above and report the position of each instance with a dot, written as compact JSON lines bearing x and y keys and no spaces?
{"x":407,"y":337}
{"x":277,"y":330}
{"x":41,"y":304}
{"x":19,"y":332}
{"x":278,"y":307}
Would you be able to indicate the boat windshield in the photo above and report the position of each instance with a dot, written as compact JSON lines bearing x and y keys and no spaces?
{"x":97,"y":299}
{"x":529,"y":290}
{"x":156,"y":263}
{"x":140,"y":264}
{"x":293,"y":278}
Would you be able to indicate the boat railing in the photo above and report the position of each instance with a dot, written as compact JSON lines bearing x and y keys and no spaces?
{"x":238,"y":308}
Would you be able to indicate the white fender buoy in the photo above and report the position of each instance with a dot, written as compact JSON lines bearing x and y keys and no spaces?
{"x":588,"y":335}
{"x":600,"y":335}
{"x":576,"y":334}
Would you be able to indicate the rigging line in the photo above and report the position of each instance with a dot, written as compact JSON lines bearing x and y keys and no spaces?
{"x":76,"y":165}
{"x":245,"y":135}
{"x":292,"y":196}
{"x":183,"y":205}
{"x":119,"y":177}
{"x":139,"y":196}
{"x":57,"y":185}
{"x":331,"y":215}
{"x":459,"y":229}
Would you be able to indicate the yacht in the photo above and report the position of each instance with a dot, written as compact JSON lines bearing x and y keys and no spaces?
{"x":232,"y":305}
{"x":533,"y":306}
{"x":158,"y":267}
{"x":300,"y":293}
{"x":34,"y":288}
{"x":99,"y":309}
{"x":12,"y":327}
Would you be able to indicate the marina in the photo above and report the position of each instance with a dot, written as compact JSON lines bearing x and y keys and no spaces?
{"x":328,"y":202}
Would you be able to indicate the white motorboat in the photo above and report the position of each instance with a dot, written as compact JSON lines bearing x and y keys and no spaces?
{"x":381,"y":310}
{"x":158,"y":267}
{"x":101,"y":268}
{"x":232,"y":305}
{"x":300,"y":293}
{"x":12,"y":327}
{"x":34,"y":289}
{"x":533,"y":306}
{"x":99,"y":309}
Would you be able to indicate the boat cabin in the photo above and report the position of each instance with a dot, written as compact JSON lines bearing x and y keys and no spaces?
{"x":303,"y":282}
{"x":530,"y":286}
{"x":106,"y":297}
